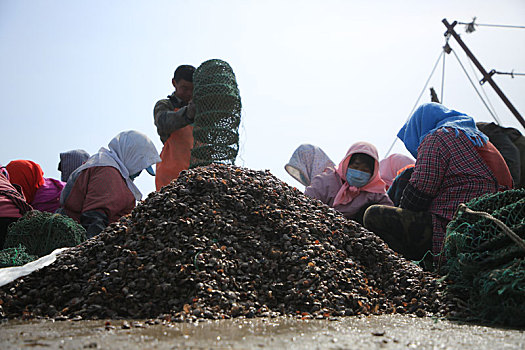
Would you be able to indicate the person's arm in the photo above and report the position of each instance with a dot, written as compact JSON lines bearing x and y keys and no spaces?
{"x":318,"y":188}
{"x":105,"y":198}
{"x":167,"y":120}
{"x":429,"y":172}
{"x":395,"y":192}
{"x":94,"y":222}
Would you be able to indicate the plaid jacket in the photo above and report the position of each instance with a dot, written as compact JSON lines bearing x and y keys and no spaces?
{"x":448,"y":171}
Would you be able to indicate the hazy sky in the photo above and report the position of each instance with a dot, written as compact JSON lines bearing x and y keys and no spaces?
{"x":76,"y":73}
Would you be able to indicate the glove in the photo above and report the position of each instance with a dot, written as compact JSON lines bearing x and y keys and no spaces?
{"x":94,"y":222}
{"x":190,"y":112}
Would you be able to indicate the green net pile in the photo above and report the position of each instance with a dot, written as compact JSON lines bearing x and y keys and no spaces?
{"x":485,"y":266}
{"x":15,"y":257}
{"x":39,"y":233}
{"x":217,"y":114}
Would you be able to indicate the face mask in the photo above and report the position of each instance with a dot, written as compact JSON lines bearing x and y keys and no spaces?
{"x":357,"y":178}
{"x":132,"y":177}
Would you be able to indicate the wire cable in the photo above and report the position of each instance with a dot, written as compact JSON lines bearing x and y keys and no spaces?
{"x":417,"y":102}
{"x":492,"y":25}
{"x":475,"y":88}
{"x":512,"y":74}
{"x":443,"y":78}
{"x":482,"y":88}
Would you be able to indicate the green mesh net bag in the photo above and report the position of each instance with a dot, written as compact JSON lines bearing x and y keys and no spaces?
{"x":486,"y":261}
{"x":15,"y":257}
{"x":40,"y":233}
{"x":217,"y":114}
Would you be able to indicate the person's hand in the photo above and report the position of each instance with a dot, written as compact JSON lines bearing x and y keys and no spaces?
{"x":190,"y":112}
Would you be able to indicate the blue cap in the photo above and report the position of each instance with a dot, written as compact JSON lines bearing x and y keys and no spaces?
{"x":150,"y":170}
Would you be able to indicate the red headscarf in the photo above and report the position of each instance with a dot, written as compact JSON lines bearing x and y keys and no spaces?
{"x":28,"y":175}
{"x":347,"y":193}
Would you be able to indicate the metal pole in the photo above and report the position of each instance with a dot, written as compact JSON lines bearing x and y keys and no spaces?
{"x":486,"y":76}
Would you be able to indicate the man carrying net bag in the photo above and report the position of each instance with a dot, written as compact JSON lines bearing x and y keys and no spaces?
{"x":204,"y":128}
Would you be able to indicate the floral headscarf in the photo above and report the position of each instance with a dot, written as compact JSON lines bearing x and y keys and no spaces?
{"x":306,"y":162}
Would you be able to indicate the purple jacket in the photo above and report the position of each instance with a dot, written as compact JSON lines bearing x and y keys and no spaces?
{"x":47,"y":197}
{"x":325,"y":186}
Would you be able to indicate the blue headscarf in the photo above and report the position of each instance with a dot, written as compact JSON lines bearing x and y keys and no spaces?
{"x":430,"y":117}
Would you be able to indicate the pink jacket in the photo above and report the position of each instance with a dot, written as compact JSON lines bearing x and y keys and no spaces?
{"x":326,"y":185}
{"x":331,"y":187}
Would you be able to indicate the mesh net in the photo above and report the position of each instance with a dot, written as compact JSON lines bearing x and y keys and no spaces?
{"x":15,"y":257}
{"x":486,"y":267}
{"x":40,"y":233}
{"x":217,"y":114}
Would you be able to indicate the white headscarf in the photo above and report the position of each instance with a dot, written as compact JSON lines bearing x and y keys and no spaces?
{"x":129,"y":152}
{"x":307,"y":162}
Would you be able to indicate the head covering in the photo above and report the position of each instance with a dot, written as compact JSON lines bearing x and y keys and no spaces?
{"x":430,"y":117}
{"x":28,"y":175}
{"x":347,"y":193}
{"x":129,"y":152}
{"x":306,"y":162}
{"x":71,"y":160}
{"x":150,"y":170}
{"x":4,"y":171}
{"x":390,"y":166}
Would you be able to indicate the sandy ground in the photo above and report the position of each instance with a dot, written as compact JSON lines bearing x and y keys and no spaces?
{"x":376,"y":332}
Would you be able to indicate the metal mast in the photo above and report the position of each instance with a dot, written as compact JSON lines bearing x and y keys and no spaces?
{"x":486,"y":76}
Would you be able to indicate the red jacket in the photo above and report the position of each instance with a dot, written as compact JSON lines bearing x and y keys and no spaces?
{"x":101,"y":189}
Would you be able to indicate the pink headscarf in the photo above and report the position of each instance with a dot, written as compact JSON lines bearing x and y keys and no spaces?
{"x":347,"y":193}
{"x":390,"y":166}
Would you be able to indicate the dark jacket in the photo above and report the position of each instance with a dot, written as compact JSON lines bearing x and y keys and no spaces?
{"x":511,"y":144}
{"x":167,"y":119}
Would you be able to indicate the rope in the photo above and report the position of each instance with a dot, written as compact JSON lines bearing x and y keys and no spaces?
{"x":195,"y":259}
{"x":475,"y":88}
{"x":520,"y":242}
{"x":419,"y":97}
{"x":418,"y":262}
{"x":15,"y":257}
